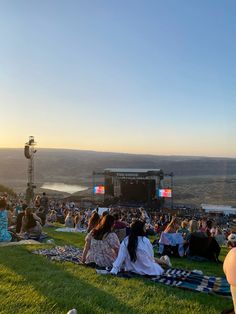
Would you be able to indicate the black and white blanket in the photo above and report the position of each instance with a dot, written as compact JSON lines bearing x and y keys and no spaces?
{"x":188,"y":280}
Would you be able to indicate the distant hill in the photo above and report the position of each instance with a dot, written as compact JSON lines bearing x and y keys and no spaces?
{"x":76,"y":166}
{"x":197,"y":179}
{"x":5,"y":189}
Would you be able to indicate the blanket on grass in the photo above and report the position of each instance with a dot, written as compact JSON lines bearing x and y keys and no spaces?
{"x":188,"y":280}
{"x":65,"y":253}
{"x":67,"y":229}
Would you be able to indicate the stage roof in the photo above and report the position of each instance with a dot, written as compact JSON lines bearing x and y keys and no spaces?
{"x":133,"y":171}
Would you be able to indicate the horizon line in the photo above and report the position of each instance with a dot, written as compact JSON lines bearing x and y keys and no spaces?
{"x":127,"y":153}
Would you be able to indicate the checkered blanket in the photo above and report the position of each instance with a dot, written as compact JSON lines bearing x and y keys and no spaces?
{"x":65,"y":253}
{"x":188,"y":280}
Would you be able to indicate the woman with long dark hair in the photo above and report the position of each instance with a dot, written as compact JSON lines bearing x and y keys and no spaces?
{"x":101,"y":244}
{"x":31,"y":225}
{"x":136,"y":252}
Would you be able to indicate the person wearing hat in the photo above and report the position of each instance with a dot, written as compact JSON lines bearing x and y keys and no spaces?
{"x":230,"y":266}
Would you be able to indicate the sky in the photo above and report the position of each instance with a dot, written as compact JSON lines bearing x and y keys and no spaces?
{"x":150,"y":77}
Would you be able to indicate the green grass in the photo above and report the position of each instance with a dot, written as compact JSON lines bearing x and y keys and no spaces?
{"x":32,"y":284}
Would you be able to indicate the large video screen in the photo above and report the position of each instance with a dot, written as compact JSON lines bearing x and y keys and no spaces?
{"x":164,"y":193}
{"x":100,"y":189}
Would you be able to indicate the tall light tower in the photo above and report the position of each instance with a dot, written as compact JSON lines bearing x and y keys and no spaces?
{"x":29,"y":154}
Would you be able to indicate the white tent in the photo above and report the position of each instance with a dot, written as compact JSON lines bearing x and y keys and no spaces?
{"x":227,"y":210}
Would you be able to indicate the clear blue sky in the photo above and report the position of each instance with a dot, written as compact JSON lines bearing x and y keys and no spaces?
{"x":153,"y":77}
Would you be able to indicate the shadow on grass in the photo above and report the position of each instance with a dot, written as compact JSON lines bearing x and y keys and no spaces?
{"x":59,"y":286}
{"x":65,"y":286}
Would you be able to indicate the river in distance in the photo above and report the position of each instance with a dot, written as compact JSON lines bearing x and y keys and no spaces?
{"x":62,"y":187}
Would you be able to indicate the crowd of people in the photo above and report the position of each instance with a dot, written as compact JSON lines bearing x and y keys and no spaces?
{"x":118,"y":238}
{"x":27,"y":220}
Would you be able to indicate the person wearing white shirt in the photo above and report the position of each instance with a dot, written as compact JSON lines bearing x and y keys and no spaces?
{"x":136,"y":253}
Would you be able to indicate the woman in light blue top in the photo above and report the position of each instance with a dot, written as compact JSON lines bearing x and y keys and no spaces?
{"x":5,"y":236}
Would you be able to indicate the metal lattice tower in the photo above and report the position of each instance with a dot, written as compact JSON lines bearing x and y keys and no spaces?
{"x":29,"y":154}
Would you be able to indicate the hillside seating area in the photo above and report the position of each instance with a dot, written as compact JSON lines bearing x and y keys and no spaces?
{"x":66,"y":248}
{"x":57,"y":287}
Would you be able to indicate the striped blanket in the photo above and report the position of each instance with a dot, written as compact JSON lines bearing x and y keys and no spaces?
{"x":189,"y":280}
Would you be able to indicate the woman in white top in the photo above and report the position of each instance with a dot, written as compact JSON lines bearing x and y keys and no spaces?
{"x":136,"y":252}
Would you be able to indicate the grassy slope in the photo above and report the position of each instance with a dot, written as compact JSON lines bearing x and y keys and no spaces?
{"x":32,"y":284}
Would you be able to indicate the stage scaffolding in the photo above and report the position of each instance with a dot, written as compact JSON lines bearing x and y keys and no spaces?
{"x":116,"y":175}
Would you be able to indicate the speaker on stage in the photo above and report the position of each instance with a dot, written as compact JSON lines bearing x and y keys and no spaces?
{"x":27,"y":151}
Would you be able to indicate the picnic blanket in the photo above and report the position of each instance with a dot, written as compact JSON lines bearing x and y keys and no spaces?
{"x":191,"y":280}
{"x":67,"y":229}
{"x":185,"y":279}
{"x":22,"y":242}
{"x":65,"y":253}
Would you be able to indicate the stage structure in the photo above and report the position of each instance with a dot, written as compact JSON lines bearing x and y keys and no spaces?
{"x":29,"y":152}
{"x":137,"y":185}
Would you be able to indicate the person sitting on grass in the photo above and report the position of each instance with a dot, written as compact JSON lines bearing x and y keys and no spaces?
{"x":31,"y":226}
{"x":77,"y":220}
{"x":184,"y":230}
{"x":5,"y":235}
{"x":203,"y":225}
{"x":137,"y":255}
{"x":201,"y":243}
{"x":209,"y":225}
{"x":101,"y":244}
{"x":220,"y":237}
{"x":93,"y":221}
{"x":119,"y":227}
{"x":69,"y":221}
{"x":51,"y":216}
{"x":173,"y":226}
{"x":40,"y":212}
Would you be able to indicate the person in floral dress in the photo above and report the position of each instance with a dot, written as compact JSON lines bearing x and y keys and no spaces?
{"x":101,"y":244}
